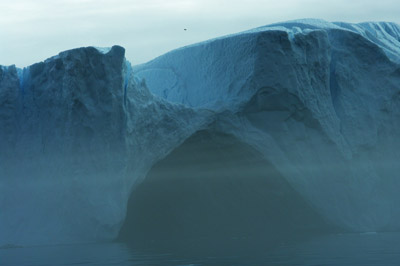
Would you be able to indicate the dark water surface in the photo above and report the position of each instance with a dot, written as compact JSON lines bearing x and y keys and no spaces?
{"x":217,"y":201}
{"x":348,"y":249}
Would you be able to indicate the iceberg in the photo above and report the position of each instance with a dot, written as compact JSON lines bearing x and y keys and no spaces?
{"x":69,"y":141}
{"x":317,"y":102}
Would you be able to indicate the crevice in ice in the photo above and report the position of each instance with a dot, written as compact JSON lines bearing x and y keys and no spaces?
{"x":23,"y":74}
{"x":127,"y":77}
{"x":333,"y":85}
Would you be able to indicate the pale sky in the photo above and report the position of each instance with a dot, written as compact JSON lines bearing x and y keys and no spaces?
{"x":33,"y":30}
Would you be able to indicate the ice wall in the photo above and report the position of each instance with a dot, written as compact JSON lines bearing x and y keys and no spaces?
{"x":319,"y":100}
{"x":77,"y":134}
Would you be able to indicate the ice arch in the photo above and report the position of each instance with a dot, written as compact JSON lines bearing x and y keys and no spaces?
{"x":213,"y":187}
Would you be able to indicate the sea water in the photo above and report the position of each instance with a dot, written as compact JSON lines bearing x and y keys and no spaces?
{"x":340,"y":249}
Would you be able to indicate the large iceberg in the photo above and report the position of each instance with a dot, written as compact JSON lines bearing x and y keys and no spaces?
{"x":318,"y":101}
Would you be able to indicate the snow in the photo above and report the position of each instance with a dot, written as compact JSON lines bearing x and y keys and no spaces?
{"x":319,"y":101}
{"x":103,"y":50}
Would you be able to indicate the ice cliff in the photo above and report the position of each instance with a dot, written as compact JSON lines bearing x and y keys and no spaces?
{"x":71,"y":145}
{"x":319,"y":101}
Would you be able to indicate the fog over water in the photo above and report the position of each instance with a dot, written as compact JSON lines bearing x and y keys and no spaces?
{"x":213,"y":188}
{"x":348,"y":249}
{"x":273,"y":146}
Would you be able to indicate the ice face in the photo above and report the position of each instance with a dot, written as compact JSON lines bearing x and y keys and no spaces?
{"x":318,"y":101}
{"x":314,"y":97}
{"x":71,"y":150}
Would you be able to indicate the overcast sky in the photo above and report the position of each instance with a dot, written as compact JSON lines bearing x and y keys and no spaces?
{"x":33,"y":30}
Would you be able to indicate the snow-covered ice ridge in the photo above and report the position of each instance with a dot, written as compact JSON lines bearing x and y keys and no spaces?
{"x":320,"y":101}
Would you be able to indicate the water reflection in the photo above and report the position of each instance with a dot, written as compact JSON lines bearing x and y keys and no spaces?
{"x":346,"y":249}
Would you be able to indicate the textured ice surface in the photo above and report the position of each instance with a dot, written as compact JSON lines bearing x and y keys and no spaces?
{"x":320,"y":101}
{"x":72,"y":146}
